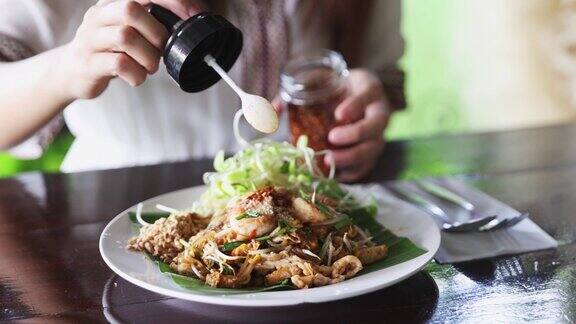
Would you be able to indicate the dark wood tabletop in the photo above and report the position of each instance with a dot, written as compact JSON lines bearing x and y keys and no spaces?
{"x":51,"y":269}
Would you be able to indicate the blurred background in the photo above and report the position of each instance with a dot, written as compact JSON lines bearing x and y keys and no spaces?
{"x":468,"y":69}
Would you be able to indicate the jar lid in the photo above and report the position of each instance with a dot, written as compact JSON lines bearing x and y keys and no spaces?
{"x":193,"y":39}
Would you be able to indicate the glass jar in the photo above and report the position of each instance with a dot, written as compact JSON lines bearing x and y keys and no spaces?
{"x":311,"y":86}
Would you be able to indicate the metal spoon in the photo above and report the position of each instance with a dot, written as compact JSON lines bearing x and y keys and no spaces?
{"x":503,"y":223}
{"x":447,"y":224}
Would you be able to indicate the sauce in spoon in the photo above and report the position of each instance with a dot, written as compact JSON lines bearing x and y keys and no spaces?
{"x":258,"y":111}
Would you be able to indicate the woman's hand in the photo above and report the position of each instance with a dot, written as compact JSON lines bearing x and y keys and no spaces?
{"x":363,"y":116}
{"x":118,"y":38}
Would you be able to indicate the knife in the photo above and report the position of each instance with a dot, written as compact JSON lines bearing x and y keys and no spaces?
{"x":445,"y":194}
{"x":421,"y":202}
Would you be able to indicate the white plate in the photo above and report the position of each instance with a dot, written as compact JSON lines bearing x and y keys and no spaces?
{"x":402,"y":219}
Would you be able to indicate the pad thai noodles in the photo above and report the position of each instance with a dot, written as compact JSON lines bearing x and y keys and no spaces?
{"x":268,"y":216}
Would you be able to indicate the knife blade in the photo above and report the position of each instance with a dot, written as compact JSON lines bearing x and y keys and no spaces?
{"x":446,"y":194}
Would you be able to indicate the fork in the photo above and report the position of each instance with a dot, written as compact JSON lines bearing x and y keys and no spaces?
{"x":503,"y":223}
{"x":446,"y":194}
{"x":447,"y":224}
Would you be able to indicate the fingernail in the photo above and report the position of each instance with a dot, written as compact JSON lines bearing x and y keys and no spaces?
{"x":333,"y":137}
{"x":195,"y":9}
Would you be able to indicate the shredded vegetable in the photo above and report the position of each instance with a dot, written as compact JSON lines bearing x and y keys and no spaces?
{"x":139,"y":215}
{"x":264,"y":163}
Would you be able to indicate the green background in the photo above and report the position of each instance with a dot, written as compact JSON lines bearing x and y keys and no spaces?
{"x":430,"y":87}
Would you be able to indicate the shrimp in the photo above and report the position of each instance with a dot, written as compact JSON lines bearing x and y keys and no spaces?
{"x":253,"y":215}
{"x":254,"y":226}
{"x":307,"y":212}
{"x":347,"y":266}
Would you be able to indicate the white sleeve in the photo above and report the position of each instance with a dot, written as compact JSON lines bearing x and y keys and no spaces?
{"x":42,"y":24}
{"x":29,"y":27}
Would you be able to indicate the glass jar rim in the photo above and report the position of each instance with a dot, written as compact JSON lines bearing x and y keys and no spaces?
{"x":292,"y":90}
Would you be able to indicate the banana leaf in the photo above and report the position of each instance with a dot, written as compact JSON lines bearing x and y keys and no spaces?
{"x":400,"y":249}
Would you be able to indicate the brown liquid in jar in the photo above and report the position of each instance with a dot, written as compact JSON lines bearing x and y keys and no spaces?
{"x":315,"y":121}
{"x":312,"y":86}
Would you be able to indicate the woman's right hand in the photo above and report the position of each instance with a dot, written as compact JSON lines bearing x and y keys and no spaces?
{"x":117,"y":38}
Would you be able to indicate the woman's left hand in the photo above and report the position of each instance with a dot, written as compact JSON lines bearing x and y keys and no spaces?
{"x":363,"y":115}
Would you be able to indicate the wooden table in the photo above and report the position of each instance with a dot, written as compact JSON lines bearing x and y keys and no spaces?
{"x":51,"y":270}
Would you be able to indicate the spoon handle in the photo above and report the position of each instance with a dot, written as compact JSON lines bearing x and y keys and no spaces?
{"x":211,"y":61}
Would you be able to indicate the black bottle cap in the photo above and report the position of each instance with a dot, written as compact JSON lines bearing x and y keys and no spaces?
{"x":191,"y":41}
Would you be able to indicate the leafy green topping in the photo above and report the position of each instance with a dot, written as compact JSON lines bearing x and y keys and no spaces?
{"x":284,"y":226}
{"x":231,"y":245}
{"x":249,"y":214}
{"x":263,"y":238}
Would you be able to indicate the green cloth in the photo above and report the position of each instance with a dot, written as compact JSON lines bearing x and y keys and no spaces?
{"x":431,"y":89}
{"x":49,"y":162}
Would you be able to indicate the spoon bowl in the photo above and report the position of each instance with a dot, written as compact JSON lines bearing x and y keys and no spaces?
{"x":258,"y":111}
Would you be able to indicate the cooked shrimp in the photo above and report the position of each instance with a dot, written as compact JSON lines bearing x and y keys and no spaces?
{"x":254,"y":215}
{"x":306,"y":212}
{"x":347,"y":266}
{"x":254,"y":226}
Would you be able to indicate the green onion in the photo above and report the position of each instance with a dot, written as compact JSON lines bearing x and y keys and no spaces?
{"x":231,"y":245}
{"x":323,"y":208}
{"x":263,"y":238}
{"x":284,"y":227}
{"x":342,"y":223}
{"x":285,"y":168}
{"x":304,"y":195}
{"x":284,"y":224}
{"x":248,"y":214}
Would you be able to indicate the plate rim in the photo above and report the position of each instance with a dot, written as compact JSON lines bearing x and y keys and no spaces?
{"x":222,"y":300}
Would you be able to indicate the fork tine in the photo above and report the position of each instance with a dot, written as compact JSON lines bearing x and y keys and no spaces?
{"x":514,"y":221}
{"x":502,"y":224}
